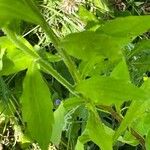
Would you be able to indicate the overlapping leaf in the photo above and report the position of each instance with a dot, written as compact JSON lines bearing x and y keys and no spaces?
{"x":59,"y":116}
{"x":108,"y":40}
{"x":13,"y":60}
{"x":87,"y":44}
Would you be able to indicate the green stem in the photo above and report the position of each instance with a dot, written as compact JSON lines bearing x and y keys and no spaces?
{"x":67,"y":59}
{"x":45,"y":26}
{"x":45,"y":65}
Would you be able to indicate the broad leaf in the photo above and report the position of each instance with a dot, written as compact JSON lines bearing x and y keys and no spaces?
{"x":127,"y":27}
{"x":37,"y":107}
{"x":108,"y":90}
{"x":92,"y":44}
{"x":17,"y":9}
{"x":86,"y":67}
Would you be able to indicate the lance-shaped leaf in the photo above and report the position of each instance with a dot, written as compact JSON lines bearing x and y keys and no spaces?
{"x":37,"y":107}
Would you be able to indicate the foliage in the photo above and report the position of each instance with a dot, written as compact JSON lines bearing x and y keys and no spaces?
{"x":83,"y":94}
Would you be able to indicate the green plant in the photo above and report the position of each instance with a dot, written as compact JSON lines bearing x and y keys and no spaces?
{"x":98,"y":84}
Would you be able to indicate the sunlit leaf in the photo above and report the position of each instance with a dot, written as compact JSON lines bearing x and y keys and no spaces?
{"x":17,"y":9}
{"x":127,"y":27}
{"x":92,"y":44}
{"x":97,"y":133}
{"x":108,"y":90}
{"x":121,"y":71}
{"x":37,"y":107}
{"x":13,"y":60}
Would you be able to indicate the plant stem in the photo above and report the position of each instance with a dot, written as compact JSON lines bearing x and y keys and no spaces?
{"x":45,"y":65}
{"x":119,"y":118}
{"x":67,"y":59}
{"x":54,"y":39}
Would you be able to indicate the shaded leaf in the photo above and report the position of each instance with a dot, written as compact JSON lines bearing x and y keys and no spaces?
{"x":130,"y":116}
{"x":82,"y":140}
{"x":147,"y":143}
{"x":59,"y":121}
{"x":142,"y":46}
{"x":59,"y":117}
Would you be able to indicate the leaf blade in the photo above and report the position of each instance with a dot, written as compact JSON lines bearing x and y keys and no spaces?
{"x":37,"y":107}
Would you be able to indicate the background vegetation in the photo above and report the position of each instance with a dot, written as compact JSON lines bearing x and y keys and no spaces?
{"x":74,"y":74}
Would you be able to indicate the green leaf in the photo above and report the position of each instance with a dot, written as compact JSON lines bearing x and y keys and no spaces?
{"x":18,"y":9}
{"x":59,"y":117}
{"x":92,"y":44}
{"x":108,"y":40}
{"x":108,"y":90}
{"x":133,"y":111}
{"x":87,"y":66}
{"x":86,"y":15}
{"x":37,"y":107}
{"x":121,"y":71}
{"x":142,"y":123}
{"x":142,"y":46}
{"x":101,"y":4}
{"x":13,"y":60}
{"x":128,"y":138}
{"x":97,"y":133}
{"x":73,"y":102}
{"x":2,"y":52}
{"x":82,"y":140}
{"x":127,"y":27}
